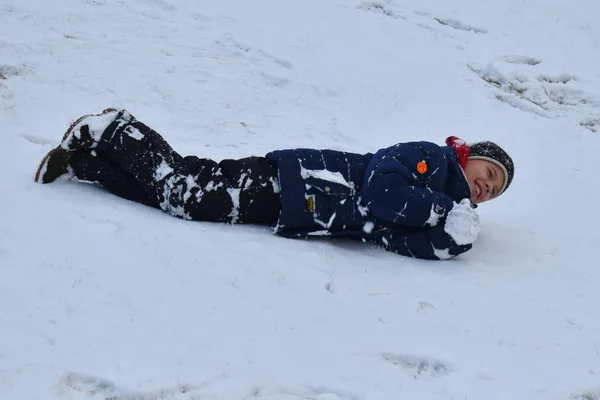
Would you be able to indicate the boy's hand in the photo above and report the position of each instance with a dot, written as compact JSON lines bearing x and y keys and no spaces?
{"x":462,"y":223}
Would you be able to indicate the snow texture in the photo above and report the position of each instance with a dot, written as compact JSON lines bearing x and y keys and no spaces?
{"x":326,"y":175}
{"x":134,"y":132}
{"x":235,"y":200}
{"x":463,"y":223}
{"x":97,"y":124}
{"x":102,"y":298}
{"x":162,"y":171}
{"x":434,"y":217}
{"x":442,"y":254}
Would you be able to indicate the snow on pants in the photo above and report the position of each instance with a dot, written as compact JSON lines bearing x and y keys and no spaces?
{"x":134,"y":162}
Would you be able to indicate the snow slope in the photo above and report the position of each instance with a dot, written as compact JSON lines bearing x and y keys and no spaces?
{"x":101,"y":298}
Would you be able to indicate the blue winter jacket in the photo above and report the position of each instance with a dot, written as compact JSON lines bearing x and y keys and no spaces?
{"x":397,"y":198}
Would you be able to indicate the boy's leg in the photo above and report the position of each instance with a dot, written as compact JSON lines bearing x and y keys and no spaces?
{"x":92,"y":166}
{"x":257,"y":193}
{"x":191,"y":187}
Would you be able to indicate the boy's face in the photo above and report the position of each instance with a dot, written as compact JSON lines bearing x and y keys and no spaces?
{"x":485,"y":180}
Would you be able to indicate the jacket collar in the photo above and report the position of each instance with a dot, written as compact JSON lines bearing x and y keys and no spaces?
{"x":457,"y":186}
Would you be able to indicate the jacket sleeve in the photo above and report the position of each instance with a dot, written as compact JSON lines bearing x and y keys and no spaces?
{"x":392,"y":191}
{"x":424,"y":243}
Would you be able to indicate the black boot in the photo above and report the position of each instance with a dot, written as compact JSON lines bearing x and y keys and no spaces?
{"x":84,"y":133}
{"x":54,"y":165}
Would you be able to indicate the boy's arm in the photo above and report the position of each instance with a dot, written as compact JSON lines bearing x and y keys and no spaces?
{"x":390,"y":190}
{"x":427,"y":243}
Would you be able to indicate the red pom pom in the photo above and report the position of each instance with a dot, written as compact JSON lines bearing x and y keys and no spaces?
{"x":461,"y":148}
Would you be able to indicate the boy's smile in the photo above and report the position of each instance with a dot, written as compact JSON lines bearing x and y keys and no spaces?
{"x":485,"y":180}
{"x":478,"y":190}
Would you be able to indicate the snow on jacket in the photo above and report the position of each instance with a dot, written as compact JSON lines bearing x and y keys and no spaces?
{"x":397,"y":198}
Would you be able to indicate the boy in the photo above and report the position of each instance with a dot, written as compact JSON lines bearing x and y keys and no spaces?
{"x":416,"y":199}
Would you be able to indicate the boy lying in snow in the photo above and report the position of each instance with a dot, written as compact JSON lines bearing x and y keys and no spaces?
{"x":415,"y":199}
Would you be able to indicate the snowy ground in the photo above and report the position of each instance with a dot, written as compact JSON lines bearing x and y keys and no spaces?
{"x":101,"y":298}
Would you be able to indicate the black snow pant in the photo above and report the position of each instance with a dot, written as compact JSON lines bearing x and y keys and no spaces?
{"x":134,"y":162}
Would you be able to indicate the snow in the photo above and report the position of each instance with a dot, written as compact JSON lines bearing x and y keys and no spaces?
{"x":235,"y":200}
{"x":172,"y":188}
{"x":331,"y":219}
{"x":191,"y":184}
{"x":162,"y":171}
{"x":96,"y":123}
{"x":368,"y":227}
{"x":434,"y":217}
{"x":442,"y":254}
{"x":463,"y":223}
{"x":134,"y":133}
{"x":104,"y":298}
{"x":212,"y":186}
{"x":326,"y":175}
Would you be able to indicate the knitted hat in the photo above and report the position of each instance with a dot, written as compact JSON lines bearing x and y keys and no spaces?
{"x":490,"y":151}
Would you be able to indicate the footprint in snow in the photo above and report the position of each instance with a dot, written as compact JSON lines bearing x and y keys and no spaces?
{"x":591,"y":124}
{"x":425,"y":307}
{"x":6,"y":71}
{"x":307,"y":393}
{"x":550,"y":96}
{"x":525,"y":60}
{"x":274,"y":81}
{"x":87,"y":384}
{"x":100,"y":388}
{"x":330,"y":287}
{"x":587,"y":395}
{"x":438,"y":32}
{"x":418,"y":366}
{"x":104,"y":389}
{"x":379,"y":8}
{"x":456,"y":24}
{"x":254,"y":55}
{"x":562,"y":78}
{"x":96,"y":2}
{"x":164,"y":5}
